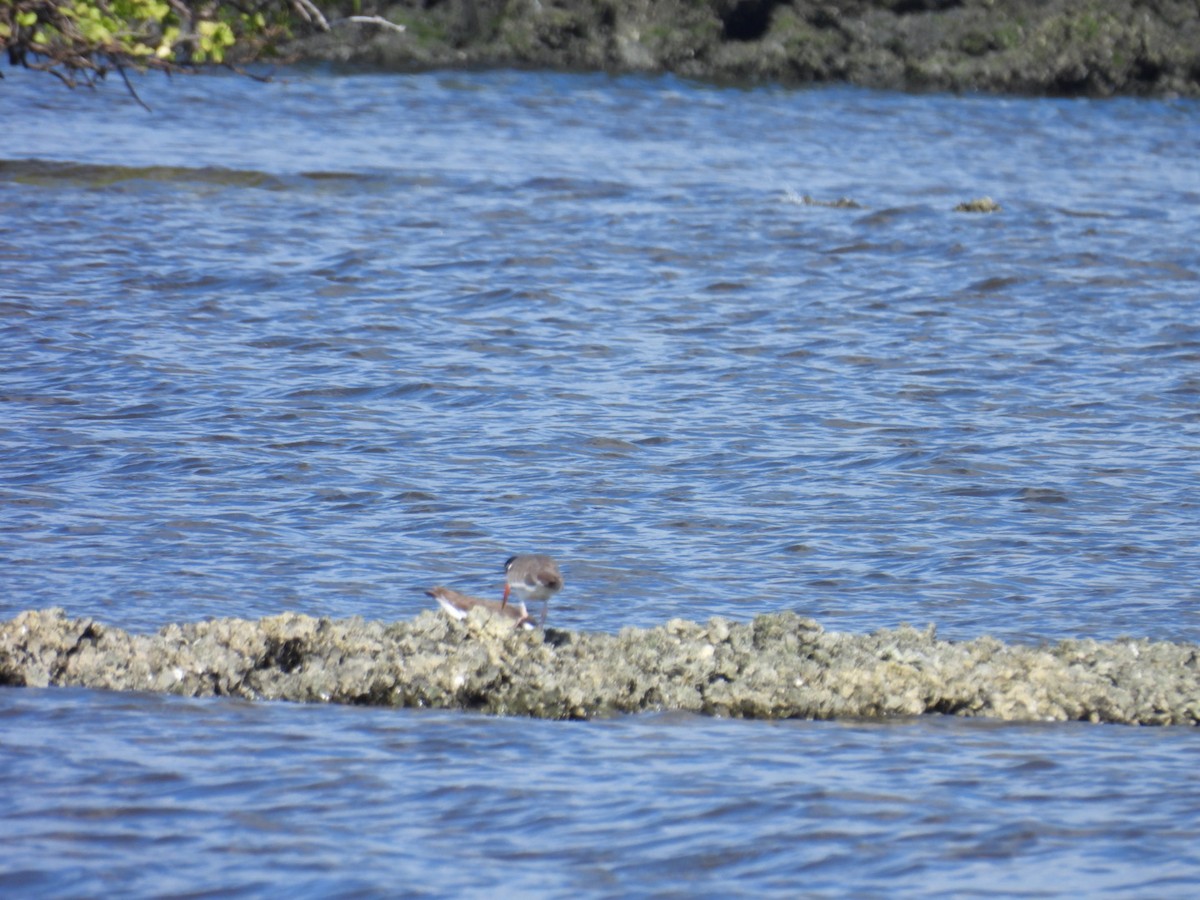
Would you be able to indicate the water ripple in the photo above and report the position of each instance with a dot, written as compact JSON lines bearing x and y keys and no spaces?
{"x":360,"y":800}
{"x":325,"y":378}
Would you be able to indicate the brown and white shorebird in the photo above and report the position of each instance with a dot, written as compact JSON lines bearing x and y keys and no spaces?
{"x":458,"y":605}
{"x":532,"y":576}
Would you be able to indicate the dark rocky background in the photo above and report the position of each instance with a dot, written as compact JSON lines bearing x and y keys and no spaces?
{"x":1062,"y":47}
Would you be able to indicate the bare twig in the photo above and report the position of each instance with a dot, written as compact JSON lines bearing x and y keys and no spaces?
{"x":309,"y":12}
{"x":253,"y":76}
{"x":129,"y":86}
{"x":375,"y":20}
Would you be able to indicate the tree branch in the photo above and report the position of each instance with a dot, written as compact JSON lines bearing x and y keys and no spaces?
{"x":129,"y":86}
{"x":374,"y":20}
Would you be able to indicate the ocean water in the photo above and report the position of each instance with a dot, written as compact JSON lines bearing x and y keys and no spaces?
{"x":321,"y":343}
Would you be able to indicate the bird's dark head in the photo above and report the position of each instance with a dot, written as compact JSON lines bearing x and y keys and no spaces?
{"x":508,"y":564}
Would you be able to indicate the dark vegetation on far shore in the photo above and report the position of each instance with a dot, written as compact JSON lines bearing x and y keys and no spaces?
{"x":1061,"y":47}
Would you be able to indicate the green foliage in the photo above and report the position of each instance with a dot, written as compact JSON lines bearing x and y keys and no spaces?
{"x":83,"y":39}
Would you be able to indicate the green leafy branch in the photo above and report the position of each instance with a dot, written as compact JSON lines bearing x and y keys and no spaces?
{"x":81,"y":41}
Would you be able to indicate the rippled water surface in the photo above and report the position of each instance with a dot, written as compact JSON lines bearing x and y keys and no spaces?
{"x":319,"y":344}
{"x":159,"y":795}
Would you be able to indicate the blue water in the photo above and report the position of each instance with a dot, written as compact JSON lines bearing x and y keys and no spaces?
{"x":319,"y":344}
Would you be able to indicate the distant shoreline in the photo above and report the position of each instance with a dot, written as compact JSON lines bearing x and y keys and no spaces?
{"x":1058,"y":48}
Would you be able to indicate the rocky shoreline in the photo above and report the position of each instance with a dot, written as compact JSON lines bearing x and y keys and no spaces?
{"x":1061,"y":47}
{"x":779,"y":665}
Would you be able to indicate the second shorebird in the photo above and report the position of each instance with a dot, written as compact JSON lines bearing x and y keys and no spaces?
{"x":460,"y":605}
{"x":532,"y":576}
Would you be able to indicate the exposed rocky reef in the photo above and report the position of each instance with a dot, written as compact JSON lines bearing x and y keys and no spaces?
{"x":777,"y":666}
{"x":1062,"y":47}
